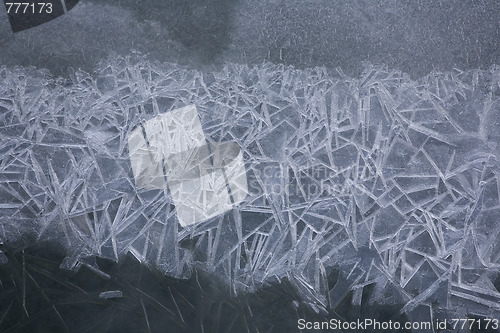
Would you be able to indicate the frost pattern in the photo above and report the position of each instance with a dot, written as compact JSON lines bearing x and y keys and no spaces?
{"x":393,"y":181}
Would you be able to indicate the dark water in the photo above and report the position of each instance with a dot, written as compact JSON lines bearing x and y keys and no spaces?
{"x":37,"y":296}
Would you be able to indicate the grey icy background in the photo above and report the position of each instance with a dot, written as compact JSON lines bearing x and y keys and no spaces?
{"x":415,"y":37}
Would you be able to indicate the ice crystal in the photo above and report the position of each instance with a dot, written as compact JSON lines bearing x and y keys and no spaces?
{"x":391,"y":180}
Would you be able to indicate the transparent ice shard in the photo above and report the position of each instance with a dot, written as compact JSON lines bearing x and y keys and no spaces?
{"x":111,"y":294}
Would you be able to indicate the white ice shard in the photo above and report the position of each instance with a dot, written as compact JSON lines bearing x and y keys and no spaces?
{"x":205,"y":179}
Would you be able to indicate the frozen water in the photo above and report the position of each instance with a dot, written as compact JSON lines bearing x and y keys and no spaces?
{"x":391,"y":180}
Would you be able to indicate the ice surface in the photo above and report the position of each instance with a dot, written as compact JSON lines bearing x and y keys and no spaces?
{"x":393,"y":181}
